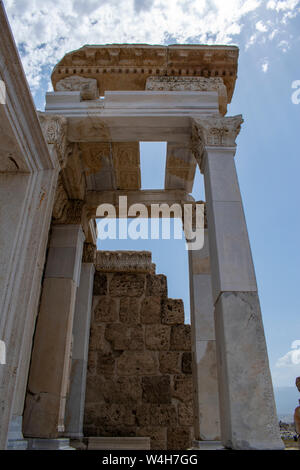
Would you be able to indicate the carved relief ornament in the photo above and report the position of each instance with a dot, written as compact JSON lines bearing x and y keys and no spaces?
{"x":55,"y":132}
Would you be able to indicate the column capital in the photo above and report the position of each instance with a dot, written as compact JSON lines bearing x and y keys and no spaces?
{"x":55,"y":132}
{"x":214,"y":131}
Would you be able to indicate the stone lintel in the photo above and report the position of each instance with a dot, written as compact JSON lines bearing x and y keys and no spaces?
{"x":124,"y":261}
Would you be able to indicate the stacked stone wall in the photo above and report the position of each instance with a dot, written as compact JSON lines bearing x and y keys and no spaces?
{"x":139,"y":380}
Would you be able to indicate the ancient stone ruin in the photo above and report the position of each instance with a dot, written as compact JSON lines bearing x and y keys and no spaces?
{"x":139,"y":379}
{"x":95,"y":351}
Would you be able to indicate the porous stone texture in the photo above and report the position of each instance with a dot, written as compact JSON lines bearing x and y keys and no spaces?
{"x":139,"y":381}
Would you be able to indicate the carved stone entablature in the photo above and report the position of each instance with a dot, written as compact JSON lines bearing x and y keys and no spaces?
{"x":127,"y":66}
{"x":124,"y":261}
{"x":55,"y":132}
{"x":190,"y":84}
{"x":214,"y":131}
{"x":87,"y":86}
{"x":89,"y":253}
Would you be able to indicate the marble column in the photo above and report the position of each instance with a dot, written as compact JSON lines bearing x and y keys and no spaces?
{"x":50,"y":361}
{"x":247,"y":407}
{"x":206,"y":398}
{"x":81,"y":333}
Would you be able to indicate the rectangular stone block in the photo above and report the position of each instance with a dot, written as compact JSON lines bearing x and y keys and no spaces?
{"x":183,"y":388}
{"x":157,"y":434}
{"x":125,"y":338}
{"x":100,"y":284}
{"x":170,"y":362}
{"x":186,"y":414}
{"x":156,"y":389}
{"x":186,"y":363}
{"x":137,"y":363}
{"x":207,"y":426}
{"x":151,"y":310}
{"x":179,"y":438}
{"x":181,"y":338}
{"x":247,"y":406}
{"x":231,"y":259}
{"x":157,"y":337}
{"x":105,"y":363}
{"x":156,"y":285}
{"x":129,"y":310}
{"x":172,"y":312}
{"x":118,"y":443}
{"x":163,"y":415}
{"x":131,"y":285}
{"x":106,"y":310}
{"x":97,"y":341}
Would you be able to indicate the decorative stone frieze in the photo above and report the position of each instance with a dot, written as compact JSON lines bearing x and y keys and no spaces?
{"x":190,"y":84}
{"x":124,"y":261}
{"x":55,"y":132}
{"x":214,"y":131}
{"x":87,"y":86}
{"x":127,"y":66}
{"x":126,"y":157}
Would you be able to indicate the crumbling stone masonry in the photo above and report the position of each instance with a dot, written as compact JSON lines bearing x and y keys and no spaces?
{"x":139,"y":380}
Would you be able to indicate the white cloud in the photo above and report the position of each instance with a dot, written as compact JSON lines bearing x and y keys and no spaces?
{"x":287,"y":367}
{"x":260,"y":26}
{"x":292,"y":357}
{"x":45,"y":31}
{"x":265,"y":66}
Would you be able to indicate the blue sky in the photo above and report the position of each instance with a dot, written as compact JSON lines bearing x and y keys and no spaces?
{"x":268,"y":35}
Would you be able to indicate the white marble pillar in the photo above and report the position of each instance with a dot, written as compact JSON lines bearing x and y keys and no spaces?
{"x":81,"y":332}
{"x":206,"y":398}
{"x":247,"y":406}
{"x":49,"y":372}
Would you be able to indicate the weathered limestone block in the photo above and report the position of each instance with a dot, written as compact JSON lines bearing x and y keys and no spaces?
{"x":87,"y":86}
{"x":131,"y":285}
{"x":100,"y":284}
{"x":163,"y":415}
{"x":156,"y":285}
{"x":157,"y":337}
{"x":156,"y":389}
{"x":129,"y":310}
{"x":126,"y":390}
{"x":183,"y":388}
{"x":169,"y":362}
{"x":172,"y":312}
{"x":106,"y":310}
{"x":186,"y":414}
{"x":137,"y":363}
{"x":181,"y":338}
{"x":92,"y":362}
{"x":151,"y":310}
{"x":179,"y":438}
{"x":105,"y":363}
{"x":158,"y":436}
{"x":187,"y":362}
{"x":143,"y":416}
{"x":97,"y":342}
{"x":123,"y":338}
